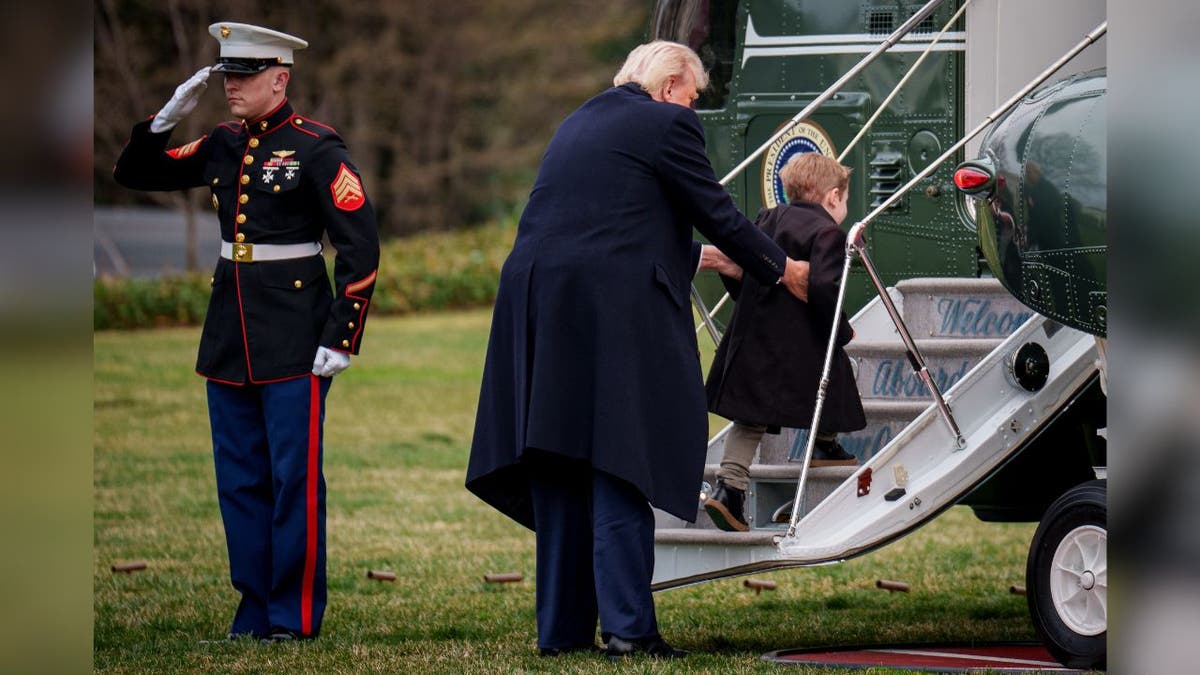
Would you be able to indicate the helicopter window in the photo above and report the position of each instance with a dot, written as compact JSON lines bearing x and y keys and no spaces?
{"x":708,"y":27}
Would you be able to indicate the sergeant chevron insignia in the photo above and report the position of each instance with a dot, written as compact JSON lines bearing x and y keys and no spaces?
{"x":185,"y":150}
{"x":347,"y":190}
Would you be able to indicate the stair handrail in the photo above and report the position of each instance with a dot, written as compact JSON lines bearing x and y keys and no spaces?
{"x":706,"y":317}
{"x":856,"y":244}
{"x":883,"y":105}
{"x":888,"y":42}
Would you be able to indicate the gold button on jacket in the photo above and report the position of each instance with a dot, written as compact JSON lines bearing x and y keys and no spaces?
{"x":288,"y":182}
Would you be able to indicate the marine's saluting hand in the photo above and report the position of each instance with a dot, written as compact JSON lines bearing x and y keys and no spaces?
{"x":187,"y":95}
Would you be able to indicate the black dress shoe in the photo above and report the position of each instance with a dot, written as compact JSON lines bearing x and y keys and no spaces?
{"x":559,"y":651}
{"x":285,"y":635}
{"x":832,"y":454}
{"x":655,"y":647}
{"x":725,"y":508}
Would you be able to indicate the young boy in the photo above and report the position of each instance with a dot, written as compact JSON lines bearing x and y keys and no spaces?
{"x":767,"y":369}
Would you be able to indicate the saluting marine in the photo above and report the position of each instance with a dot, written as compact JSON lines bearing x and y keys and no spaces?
{"x":274,"y":334}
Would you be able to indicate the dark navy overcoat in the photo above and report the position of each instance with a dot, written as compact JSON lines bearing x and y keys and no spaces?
{"x":768,"y":367}
{"x":593,"y":353}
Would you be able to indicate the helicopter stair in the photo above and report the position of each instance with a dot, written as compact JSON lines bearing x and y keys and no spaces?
{"x":910,"y":470}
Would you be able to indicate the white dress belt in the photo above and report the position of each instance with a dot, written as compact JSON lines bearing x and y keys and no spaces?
{"x":263,"y":252}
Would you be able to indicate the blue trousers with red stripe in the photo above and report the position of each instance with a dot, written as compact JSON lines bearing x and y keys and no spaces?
{"x":268,"y":456}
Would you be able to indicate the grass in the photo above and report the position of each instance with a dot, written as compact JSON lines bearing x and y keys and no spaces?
{"x":398,"y":429}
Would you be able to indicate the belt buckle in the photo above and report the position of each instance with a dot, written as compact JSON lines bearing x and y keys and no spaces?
{"x":243,"y":253}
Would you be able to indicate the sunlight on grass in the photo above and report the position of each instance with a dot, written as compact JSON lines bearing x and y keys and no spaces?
{"x":398,"y":432}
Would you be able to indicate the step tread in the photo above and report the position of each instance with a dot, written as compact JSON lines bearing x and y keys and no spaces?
{"x":791,"y":470}
{"x":896,"y":407}
{"x":707,"y":536}
{"x":952,"y":285}
{"x":927,"y":346}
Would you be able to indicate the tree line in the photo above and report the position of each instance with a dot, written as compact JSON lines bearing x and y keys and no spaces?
{"x":446,"y":106}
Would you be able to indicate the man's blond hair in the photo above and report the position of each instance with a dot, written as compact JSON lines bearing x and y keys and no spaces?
{"x":809,"y":176}
{"x":652,"y":63}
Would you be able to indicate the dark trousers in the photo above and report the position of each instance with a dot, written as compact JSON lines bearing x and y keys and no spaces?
{"x":595,"y":554}
{"x":268,"y":457}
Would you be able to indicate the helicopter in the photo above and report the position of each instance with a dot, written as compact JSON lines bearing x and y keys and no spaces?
{"x":977,"y":286}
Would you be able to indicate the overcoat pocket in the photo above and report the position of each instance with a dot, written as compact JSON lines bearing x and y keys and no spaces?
{"x":677,"y":294}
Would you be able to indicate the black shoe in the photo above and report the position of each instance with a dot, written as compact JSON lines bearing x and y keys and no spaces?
{"x":284,"y":635}
{"x":655,"y":647}
{"x":832,"y":454}
{"x":559,"y":651}
{"x":230,"y":637}
{"x":725,"y":508}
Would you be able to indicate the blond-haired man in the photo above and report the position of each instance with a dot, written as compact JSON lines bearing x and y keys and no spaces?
{"x":592,"y":406}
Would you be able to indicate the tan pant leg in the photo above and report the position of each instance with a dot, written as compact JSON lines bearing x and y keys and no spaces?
{"x":740,"y":445}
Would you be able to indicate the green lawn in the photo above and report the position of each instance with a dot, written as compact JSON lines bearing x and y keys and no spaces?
{"x":398,"y":429}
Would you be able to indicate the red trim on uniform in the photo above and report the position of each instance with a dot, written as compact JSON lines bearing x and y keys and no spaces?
{"x":361,"y":284}
{"x":312,"y":121}
{"x":237,"y":285}
{"x":310,"y":511}
{"x":252,"y":380}
{"x":289,"y":378}
{"x":251,"y":124}
{"x":219,"y":380}
{"x":350,"y":290}
{"x":237,"y":203}
{"x":277,"y":126}
{"x":303,"y":130}
{"x":274,"y":110}
{"x":237,"y":209}
{"x":231,"y":126}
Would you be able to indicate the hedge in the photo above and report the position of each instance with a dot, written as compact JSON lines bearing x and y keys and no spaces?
{"x":425,"y":272}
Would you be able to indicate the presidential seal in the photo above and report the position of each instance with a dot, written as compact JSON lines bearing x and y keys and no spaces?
{"x":803,"y":137}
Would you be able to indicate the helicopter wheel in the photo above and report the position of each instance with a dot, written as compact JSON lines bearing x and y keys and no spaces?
{"x":1067,"y":577}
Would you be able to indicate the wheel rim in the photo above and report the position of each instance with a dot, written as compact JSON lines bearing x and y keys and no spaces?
{"x":1079,"y":580}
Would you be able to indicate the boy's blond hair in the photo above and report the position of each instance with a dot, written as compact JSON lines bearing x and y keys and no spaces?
{"x":809,"y":176}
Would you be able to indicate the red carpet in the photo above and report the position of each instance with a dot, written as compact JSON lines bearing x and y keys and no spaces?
{"x":997,"y":657}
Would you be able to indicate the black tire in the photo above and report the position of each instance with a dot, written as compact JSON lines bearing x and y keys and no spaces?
{"x":1069,"y":602}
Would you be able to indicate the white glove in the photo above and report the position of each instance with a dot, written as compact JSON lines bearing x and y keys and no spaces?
{"x":187,"y":95}
{"x":329,"y":363}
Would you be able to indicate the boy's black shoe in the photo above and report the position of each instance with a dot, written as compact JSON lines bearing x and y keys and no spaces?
{"x":832,"y":454}
{"x":725,"y":508}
